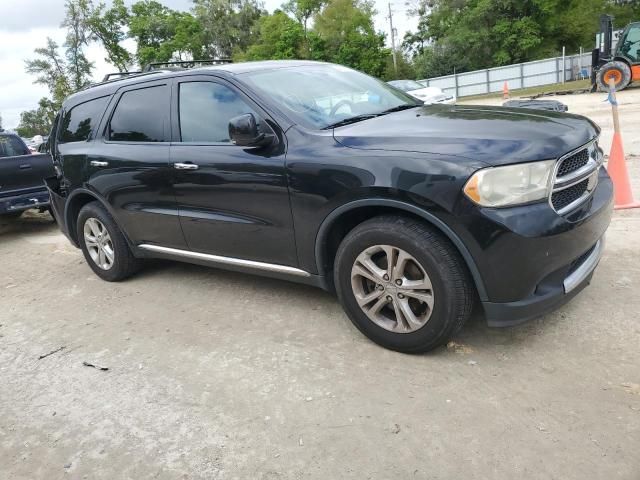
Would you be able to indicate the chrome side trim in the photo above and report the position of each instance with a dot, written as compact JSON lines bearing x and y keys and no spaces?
{"x":216,"y":259}
{"x":584,"y":270}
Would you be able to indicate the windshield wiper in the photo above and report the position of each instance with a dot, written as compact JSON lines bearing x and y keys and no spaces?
{"x":399,"y":108}
{"x":347,"y":121}
{"x":366,"y":116}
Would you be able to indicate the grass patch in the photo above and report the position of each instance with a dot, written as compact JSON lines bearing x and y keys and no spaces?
{"x":528,"y":92}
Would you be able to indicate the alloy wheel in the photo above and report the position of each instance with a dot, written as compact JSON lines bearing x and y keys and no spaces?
{"x":392,"y":288}
{"x":99,"y":244}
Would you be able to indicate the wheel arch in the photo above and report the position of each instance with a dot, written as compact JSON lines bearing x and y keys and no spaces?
{"x":78,"y":199}
{"x":622,"y":60}
{"x":344,"y":218}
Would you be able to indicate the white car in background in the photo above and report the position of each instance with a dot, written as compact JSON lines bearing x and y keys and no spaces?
{"x":428,"y":95}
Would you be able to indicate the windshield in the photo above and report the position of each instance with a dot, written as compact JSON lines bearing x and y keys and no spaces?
{"x":630,"y":44}
{"x":323,"y":95}
{"x":406,"y":85}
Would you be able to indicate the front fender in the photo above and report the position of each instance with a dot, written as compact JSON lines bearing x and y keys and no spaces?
{"x":325,"y":228}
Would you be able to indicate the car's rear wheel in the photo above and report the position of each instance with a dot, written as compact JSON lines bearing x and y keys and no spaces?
{"x":402,"y":284}
{"x":103,"y":244}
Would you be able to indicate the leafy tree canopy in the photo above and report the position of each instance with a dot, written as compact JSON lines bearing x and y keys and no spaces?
{"x":475,"y":34}
{"x":38,"y":121}
{"x":279,"y":37}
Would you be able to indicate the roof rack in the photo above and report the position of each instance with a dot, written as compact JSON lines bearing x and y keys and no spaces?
{"x":157,"y":67}
{"x":183,"y":64}
{"x":118,"y":75}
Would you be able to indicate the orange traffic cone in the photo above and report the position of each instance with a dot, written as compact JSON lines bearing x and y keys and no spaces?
{"x":505,"y":91}
{"x":617,"y":168}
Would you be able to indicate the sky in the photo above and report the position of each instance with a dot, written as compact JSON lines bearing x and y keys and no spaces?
{"x":26,"y":24}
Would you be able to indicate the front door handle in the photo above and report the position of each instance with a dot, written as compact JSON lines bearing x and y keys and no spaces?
{"x":25,"y":166}
{"x":95,"y":163}
{"x":185,"y":166}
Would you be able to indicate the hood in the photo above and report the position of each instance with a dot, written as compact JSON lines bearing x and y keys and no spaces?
{"x":492,"y":135}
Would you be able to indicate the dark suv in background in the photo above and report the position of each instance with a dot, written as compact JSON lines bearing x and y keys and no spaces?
{"x":320,"y":174}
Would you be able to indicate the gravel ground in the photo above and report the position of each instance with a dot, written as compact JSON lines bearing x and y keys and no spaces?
{"x":218,"y":375}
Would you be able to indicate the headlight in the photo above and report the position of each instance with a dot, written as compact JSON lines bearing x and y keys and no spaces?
{"x":510,"y":185}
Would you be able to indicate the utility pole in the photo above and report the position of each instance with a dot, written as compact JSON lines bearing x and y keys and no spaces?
{"x":393,"y":40}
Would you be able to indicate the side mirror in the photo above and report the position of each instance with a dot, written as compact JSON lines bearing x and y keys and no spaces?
{"x":243,"y":132}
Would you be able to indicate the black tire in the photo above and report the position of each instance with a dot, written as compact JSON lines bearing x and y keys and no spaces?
{"x":124,"y":263}
{"x":619,"y":70}
{"x":452,"y":287}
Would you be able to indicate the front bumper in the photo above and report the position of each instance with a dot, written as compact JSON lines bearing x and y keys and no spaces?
{"x":16,"y":203}
{"x":532,"y":260}
{"x":547,"y":299}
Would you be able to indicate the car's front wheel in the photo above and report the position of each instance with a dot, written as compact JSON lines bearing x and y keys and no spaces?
{"x":103,"y":244}
{"x":402,"y":284}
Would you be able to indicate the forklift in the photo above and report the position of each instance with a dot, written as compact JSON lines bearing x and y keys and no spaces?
{"x":622,"y":64}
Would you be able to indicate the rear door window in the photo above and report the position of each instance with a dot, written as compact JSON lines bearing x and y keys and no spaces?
{"x":79,"y":122}
{"x":141,"y":116}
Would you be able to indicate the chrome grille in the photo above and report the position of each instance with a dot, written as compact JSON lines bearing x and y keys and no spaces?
{"x":565,"y":197}
{"x":574,"y":162}
{"x":576,"y":177}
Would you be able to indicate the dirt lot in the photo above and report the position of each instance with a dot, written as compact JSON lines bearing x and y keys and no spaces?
{"x":217,"y":375}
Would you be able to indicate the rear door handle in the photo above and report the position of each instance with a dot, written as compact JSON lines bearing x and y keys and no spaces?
{"x":95,"y":163}
{"x":185,"y":166}
{"x":25,"y":166}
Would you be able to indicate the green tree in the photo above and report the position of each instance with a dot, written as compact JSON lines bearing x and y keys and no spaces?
{"x":78,"y":66}
{"x":62,"y":73}
{"x":303,"y":11}
{"x":405,"y":68}
{"x":475,"y":34}
{"x":163,"y":34}
{"x":346,"y":35}
{"x":38,"y":121}
{"x":107,"y":26}
{"x":51,"y":70}
{"x":280,"y":37}
{"x":228,"y":25}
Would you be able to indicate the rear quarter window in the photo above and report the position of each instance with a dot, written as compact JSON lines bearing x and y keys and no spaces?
{"x":78,"y":123}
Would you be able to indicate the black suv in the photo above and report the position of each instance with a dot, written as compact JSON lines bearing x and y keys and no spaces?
{"x":320,"y":174}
